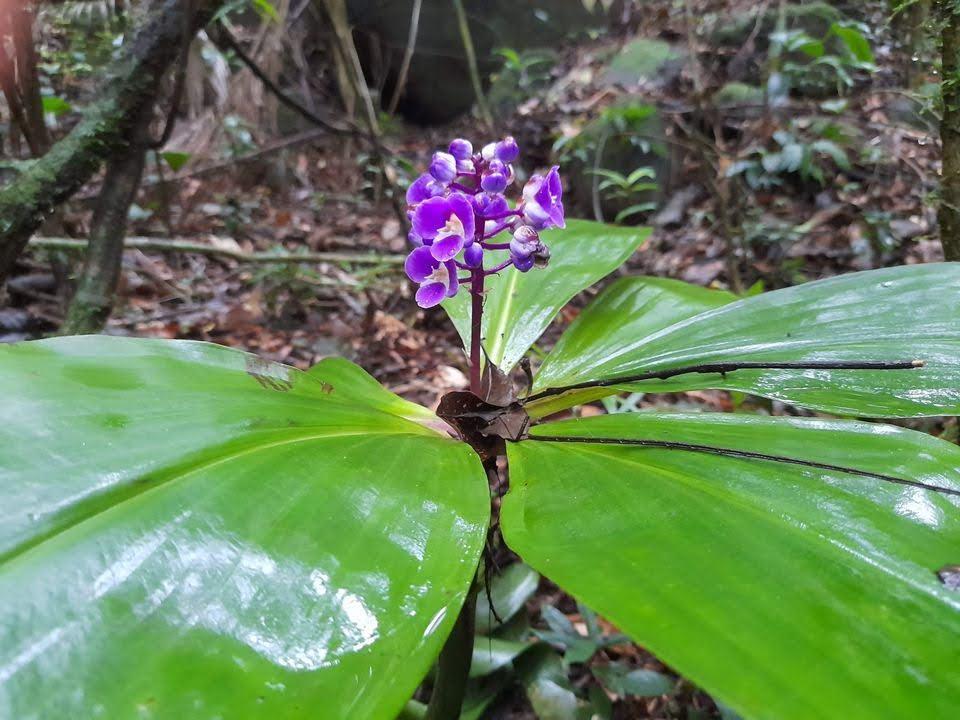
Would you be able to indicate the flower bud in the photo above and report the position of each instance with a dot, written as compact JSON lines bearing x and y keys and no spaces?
{"x":523,"y":264}
{"x":507,"y":150}
{"x":443,"y":167}
{"x":461,"y":149}
{"x":489,"y":151}
{"x":525,"y":242}
{"x":423,"y":188}
{"x":473,"y":256}
{"x":526,"y":235}
{"x":494,"y":180}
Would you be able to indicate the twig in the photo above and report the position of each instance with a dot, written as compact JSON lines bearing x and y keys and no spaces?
{"x":746,"y":454}
{"x":185,"y":246}
{"x":223,"y":39}
{"x":176,"y":96}
{"x":728,"y":367}
{"x":407,"y":57}
{"x":472,"y":64}
{"x":348,"y":50}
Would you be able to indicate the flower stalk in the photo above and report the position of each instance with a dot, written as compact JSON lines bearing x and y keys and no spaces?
{"x":456,"y":210}
{"x":476,"y":327}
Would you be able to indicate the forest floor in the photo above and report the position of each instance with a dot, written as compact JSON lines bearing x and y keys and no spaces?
{"x":316,"y":197}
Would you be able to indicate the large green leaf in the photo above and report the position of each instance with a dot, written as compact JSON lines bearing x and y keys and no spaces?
{"x":630,"y":308}
{"x":891,"y":315}
{"x":518,"y":307}
{"x":189,"y":531}
{"x":788,"y":591}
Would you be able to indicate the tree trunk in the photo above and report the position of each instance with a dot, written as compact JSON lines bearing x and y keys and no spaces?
{"x":28,"y":80}
{"x":132,"y":82}
{"x":910,"y":24}
{"x":18,"y":118}
{"x":92,"y":302}
{"x":949,"y":213}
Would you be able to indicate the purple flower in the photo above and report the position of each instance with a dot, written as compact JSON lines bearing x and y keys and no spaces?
{"x":543,"y":200}
{"x":494,"y":180}
{"x":461,"y":149}
{"x":443,"y":167}
{"x":445,"y":224}
{"x":423,"y":188}
{"x":437,"y":279}
{"x":507,"y":150}
{"x":459,"y":209}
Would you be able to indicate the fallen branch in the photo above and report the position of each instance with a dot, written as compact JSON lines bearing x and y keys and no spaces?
{"x":186,"y":246}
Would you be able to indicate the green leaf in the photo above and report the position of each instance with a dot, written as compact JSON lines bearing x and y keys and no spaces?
{"x":176,"y":160}
{"x":543,"y":675}
{"x":834,"y":151}
{"x":855,"y":42}
{"x":621,"y":679}
{"x":785,"y":590}
{"x":491,"y":654}
{"x":557,"y":621}
{"x":890,"y":315}
{"x":509,"y":591}
{"x":266,"y":9}
{"x":55,"y":106}
{"x":640,"y":173}
{"x":188,"y":531}
{"x":634,"y":210}
{"x":519,"y":306}
{"x":630,"y":309}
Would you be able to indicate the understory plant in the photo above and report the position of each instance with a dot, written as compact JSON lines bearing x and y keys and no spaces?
{"x":188,"y":531}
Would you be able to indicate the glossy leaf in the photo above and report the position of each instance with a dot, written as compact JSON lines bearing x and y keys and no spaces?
{"x":787,"y":591}
{"x":518,"y":307}
{"x":630,"y":308}
{"x":621,"y":679}
{"x":492,"y":654}
{"x":544,"y":677}
{"x":190,"y":531}
{"x":509,"y":591}
{"x":894,"y":315}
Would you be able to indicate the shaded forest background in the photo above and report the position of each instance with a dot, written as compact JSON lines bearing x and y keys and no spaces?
{"x":234,"y":172}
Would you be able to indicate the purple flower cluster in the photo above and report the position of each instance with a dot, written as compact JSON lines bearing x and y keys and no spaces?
{"x":458,"y":209}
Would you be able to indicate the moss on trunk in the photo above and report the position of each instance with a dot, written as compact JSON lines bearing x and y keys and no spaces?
{"x":132,"y":81}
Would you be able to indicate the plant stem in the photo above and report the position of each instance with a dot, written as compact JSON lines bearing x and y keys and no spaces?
{"x":464,"y":26}
{"x":476,"y":318}
{"x":407,"y":57}
{"x":453,"y":666}
{"x":497,"y":268}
